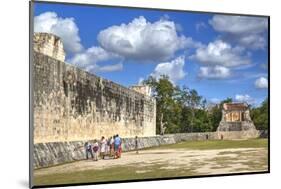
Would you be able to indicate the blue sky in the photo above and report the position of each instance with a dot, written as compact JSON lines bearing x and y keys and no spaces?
{"x":220,"y":56}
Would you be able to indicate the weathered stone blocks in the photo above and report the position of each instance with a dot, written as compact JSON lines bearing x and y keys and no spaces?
{"x":71,"y":104}
{"x":49,"y":45}
{"x":236,"y":117}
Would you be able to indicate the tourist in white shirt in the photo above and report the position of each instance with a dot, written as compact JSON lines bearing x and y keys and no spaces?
{"x":102,"y":147}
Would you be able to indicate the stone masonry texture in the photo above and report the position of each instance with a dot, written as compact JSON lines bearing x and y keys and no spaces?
{"x":48,"y":44}
{"x":236,"y":117}
{"x":72,"y":105}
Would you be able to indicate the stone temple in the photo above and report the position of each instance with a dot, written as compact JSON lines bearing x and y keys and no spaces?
{"x":70,"y":104}
{"x":236,"y":117}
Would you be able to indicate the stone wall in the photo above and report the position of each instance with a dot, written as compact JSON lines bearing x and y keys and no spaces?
{"x":49,"y":44}
{"x":236,"y":117}
{"x":71,"y":105}
{"x":144,"y":89}
{"x":53,"y":153}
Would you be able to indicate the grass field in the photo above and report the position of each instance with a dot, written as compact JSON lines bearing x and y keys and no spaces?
{"x":218,"y":144}
{"x":182,"y":159}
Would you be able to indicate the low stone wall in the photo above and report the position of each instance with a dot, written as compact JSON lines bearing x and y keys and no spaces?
{"x":53,"y":153}
{"x":263,"y":133}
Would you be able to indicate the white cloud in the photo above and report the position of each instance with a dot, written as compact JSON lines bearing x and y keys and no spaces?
{"x":173,"y":69}
{"x":142,"y":40}
{"x":221,"y":53}
{"x":253,"y":41}
{"x":200,"y":25}
{"x":140,"y":81}
{"x":245,"y":67}
{"x":216,"y":72}
{"x":238,"y":24}
{"x":247,"y":31}
{"x":65,"y":28}
{"x":111,"y":68}
{"x":244,"y":98}
{"x":89,"y":58}
{"x":261,"y":83}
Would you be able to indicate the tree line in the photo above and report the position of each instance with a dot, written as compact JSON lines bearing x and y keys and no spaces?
{"x":181,"y":109}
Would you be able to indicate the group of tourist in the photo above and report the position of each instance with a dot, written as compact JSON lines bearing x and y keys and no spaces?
{"x":110,"y":147}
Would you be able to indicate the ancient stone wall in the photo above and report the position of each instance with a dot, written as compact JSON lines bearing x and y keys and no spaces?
{"x":49,"y":44}
{"x":236,"y":117}
{"x":53,"y":153}
{"x":72,"y":105}
{"x":144,"y":89}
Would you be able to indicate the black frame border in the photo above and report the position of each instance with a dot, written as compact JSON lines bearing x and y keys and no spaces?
{"x":31,"y":22}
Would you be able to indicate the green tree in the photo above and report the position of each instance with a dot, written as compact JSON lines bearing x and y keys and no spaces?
{"x":168,"y":109}
{"x":194,"y":117}
{"x":259,"y":116}
{"x":185,"y":121}
{"x":202,"y":121}
{"x":215,"y":114}
{"x":193,"y":102}
{"x":182,"y":109}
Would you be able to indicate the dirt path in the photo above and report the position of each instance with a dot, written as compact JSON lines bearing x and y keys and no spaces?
{"x":201,"y":161}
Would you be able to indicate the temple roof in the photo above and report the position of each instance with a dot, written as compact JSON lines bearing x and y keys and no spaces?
{"x":235,"y":106}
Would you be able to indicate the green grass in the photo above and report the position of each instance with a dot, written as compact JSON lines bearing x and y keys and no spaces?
{"x":112,"y":174}
{"x":259,"y":163}
{"x":217,"y":144}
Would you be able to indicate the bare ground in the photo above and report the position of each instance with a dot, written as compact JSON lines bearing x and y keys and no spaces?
{"x":201,"y":162}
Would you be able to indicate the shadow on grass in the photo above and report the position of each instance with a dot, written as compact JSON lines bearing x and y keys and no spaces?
{"x":113,"y":174}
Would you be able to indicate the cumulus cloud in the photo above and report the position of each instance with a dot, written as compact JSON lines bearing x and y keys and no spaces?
{"x":247,"y":31}
{"x":261,"y":83}
{"x":200,"y":25}
{"x":221,"y":53}
{"x":140,"y":81}
{"x":216,"y":72}
{"x":173,"y":69}
{"x":142,"y":40}
{"x":89,"y":58}
{"x":65,"y":28}
{"x":244,"y":98}
{"x":253,"y":41}
{"x":111,"y":68}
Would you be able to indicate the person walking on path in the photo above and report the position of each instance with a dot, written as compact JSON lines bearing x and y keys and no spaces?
{"x":88,"y":149}
{"x":107,"y":151}
{"x":112,"y":146}
{"x":117,"y":147}
{"x":95,"y":150}
{"x":136,"y":145}
{"x":102,"y":147}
